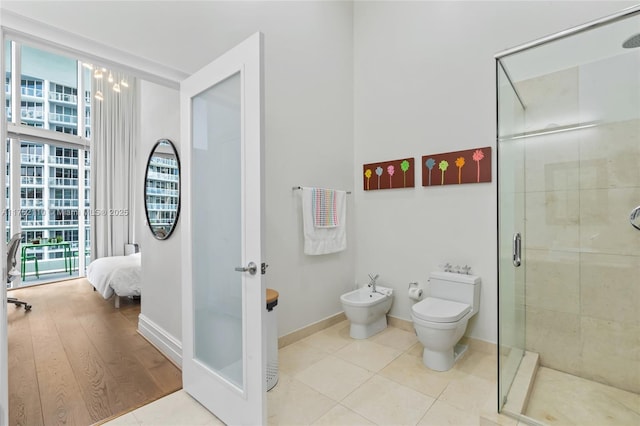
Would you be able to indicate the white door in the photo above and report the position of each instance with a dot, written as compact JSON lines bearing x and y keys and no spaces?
{"x":4,"y":369}
{"x":4,"y":391}
{"x":223,"y":306}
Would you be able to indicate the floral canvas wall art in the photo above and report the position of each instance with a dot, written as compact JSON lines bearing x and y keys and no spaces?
{"x":458,"y":167}
{"x":393,"y":174}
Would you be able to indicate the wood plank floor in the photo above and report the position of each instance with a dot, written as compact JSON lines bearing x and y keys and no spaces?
{"x":76,"y":360}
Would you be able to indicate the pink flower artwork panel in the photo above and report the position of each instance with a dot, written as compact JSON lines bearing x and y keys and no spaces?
{"x":458,"y":167}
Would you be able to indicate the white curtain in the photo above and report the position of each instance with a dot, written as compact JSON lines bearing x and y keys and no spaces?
{"x":113,"y":159}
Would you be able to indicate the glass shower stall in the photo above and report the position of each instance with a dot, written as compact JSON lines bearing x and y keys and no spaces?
{"x":568,"y":144}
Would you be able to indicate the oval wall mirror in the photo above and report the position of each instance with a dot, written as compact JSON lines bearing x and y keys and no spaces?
{"x":634,"y":218}
{"x":162,"y":189}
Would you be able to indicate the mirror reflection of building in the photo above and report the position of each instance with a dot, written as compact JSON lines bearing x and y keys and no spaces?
{"x":162,"y":189}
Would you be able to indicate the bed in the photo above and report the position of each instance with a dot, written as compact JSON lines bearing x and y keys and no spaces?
{"x":116,"y":274}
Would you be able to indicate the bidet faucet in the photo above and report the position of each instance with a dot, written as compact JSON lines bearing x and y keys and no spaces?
{"x":372,"y":283}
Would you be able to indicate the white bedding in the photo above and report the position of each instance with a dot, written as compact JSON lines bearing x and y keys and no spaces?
{"x":119,"y":274}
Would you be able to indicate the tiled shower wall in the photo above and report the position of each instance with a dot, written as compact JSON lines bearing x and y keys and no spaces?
{"x":582,"y":256}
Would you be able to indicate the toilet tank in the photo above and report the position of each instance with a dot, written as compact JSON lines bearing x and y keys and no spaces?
{"x":457,"y":287}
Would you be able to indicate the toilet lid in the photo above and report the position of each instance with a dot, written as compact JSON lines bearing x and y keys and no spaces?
{"x":440,"y":310}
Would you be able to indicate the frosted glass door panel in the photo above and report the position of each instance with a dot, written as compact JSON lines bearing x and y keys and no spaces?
{"x":217,"y":230}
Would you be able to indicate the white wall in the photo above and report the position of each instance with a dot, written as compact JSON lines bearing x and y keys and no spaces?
{"x":309,"y":142}
{"x":161,"y":259}
{"x":424,"y":83}
{"x":347,"y":84}
{"x":308,"y":116}
{"x":308,"y":125}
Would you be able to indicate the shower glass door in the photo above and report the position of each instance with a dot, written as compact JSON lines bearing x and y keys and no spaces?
{"x":511,"y":335}
{"x":569,"y":182}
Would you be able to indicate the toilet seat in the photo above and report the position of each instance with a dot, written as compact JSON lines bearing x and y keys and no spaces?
{"x":440,"y":310}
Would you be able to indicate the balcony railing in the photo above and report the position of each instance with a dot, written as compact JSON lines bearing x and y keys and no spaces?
{"x":31,"y":180}
{"x":164,"y":162}
{"x":162,"y":207}
{"x":32,"y":158}
{"x":63,"y":182}
{"x":53,"y":222}
{"x":163,"y":192}
{"x":31,"y":91}
{"x":59,"y":202}
{"x":161,"y":177}
{"x":63,"y":118}
{"x":63,"y":97}
{"x":158,"y":222}
{"x":32,"y":222}
{"x":31,"y":202}
{"x":55,"y":265}
{"x":32,"y":114}
{"x":63,"y":160}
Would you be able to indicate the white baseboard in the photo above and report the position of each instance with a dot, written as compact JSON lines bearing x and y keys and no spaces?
{"x":163,"y":341}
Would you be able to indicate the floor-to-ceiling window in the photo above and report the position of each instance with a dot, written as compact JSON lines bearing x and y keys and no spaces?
{"x":48,"y":103}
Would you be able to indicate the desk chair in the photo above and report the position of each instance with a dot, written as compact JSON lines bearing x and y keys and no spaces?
{"x":12,"y":272}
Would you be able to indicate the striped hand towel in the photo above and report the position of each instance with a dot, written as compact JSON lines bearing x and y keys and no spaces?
{"x":324,"y":240}
{"x":324,"y":207}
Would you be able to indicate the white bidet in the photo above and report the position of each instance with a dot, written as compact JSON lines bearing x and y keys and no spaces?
{"x":367,"y":310}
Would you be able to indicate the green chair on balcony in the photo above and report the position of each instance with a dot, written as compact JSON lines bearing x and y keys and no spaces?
{"x":74,"y":257}
{"x":23,"y":265}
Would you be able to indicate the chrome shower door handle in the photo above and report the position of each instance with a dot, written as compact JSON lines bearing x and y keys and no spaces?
{"x":634,"y":218}
{"x":517,"y":249}
{"x":251,"y":268}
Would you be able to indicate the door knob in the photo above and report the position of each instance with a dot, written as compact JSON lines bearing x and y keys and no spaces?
{"x":251,"y":268}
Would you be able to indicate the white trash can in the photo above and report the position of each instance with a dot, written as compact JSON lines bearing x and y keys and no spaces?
{"x":272,"y":339}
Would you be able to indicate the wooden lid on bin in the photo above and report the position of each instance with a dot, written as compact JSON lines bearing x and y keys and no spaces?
{"x":272,"y":295}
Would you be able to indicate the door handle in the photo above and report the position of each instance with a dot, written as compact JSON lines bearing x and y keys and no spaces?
{"x":517,"y":249}
{"x":251,"y":268}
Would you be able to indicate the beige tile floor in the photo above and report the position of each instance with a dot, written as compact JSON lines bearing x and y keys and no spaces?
{"x":330,"y":379}
{"x":175,"y":409}
{"x":559,"y":398}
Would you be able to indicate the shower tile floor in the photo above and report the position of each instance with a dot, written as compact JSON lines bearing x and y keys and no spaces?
{"x":329,"y":378}
{"x":559,"y":398}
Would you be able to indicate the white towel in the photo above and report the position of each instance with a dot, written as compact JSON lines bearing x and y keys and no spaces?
{"x":323,"y":240}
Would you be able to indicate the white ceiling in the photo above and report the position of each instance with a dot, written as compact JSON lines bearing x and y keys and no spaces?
{"x":166,"y":32}
{"x":583,"y":48}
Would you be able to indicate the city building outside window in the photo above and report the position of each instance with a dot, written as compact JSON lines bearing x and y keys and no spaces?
{"x":53,"y":204}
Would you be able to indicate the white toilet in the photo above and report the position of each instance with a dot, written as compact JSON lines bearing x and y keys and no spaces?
{"x":440,"y":320}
